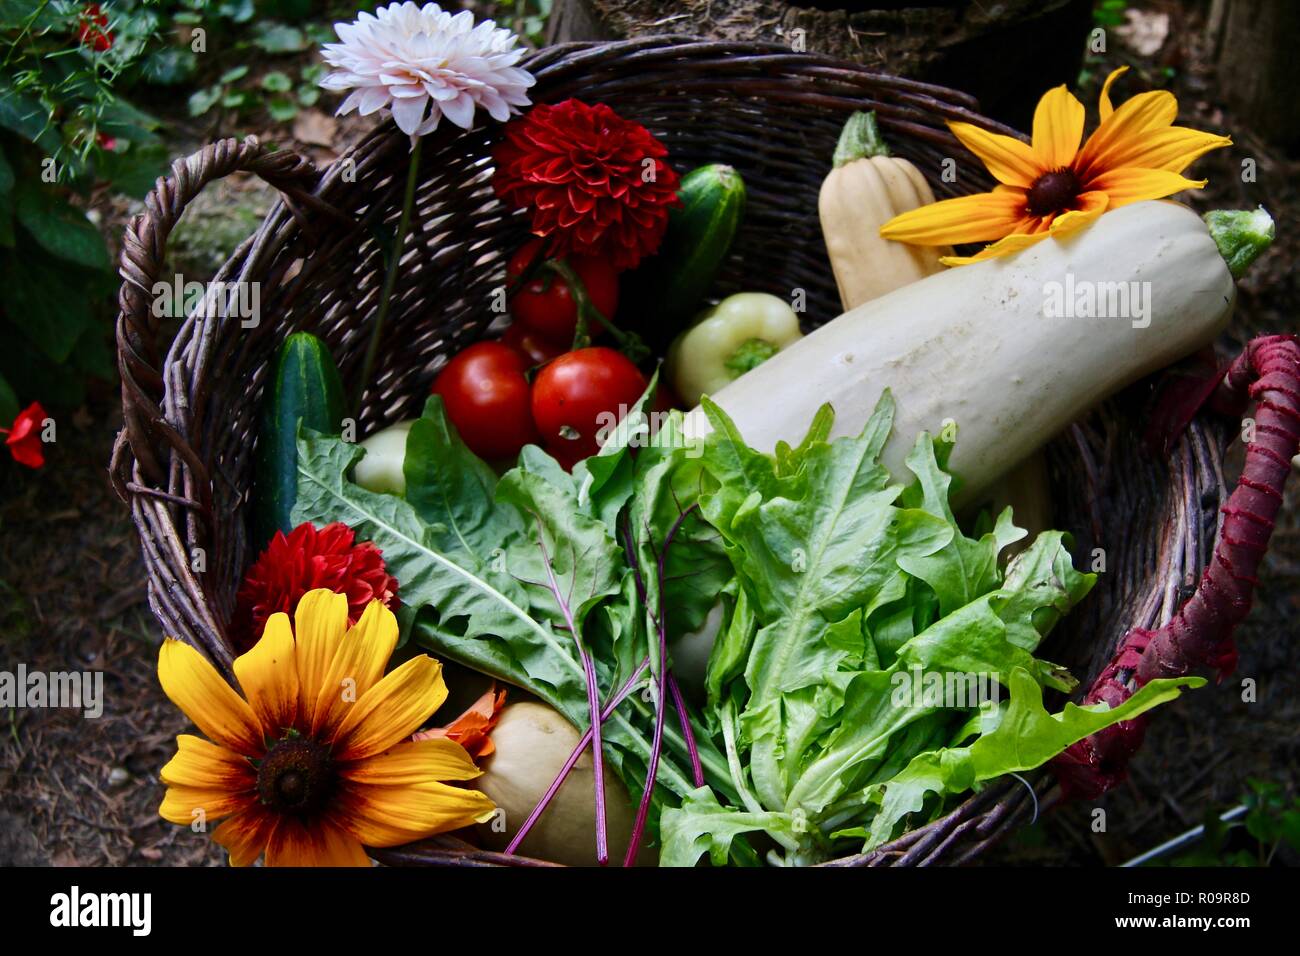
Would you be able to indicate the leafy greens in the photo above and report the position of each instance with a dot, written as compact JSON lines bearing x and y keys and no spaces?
{"x":840,"y":591}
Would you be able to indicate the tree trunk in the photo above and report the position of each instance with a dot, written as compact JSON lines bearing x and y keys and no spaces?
{"x":1259,"y":72}
{"x":1003,"y":53}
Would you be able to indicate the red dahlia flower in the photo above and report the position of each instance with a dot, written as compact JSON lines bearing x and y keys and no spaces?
{"x":597,"y":184}
{"x":307,"y":559}
{"x":23,"y":438}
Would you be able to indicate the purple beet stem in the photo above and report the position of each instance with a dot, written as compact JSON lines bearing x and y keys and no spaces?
{"x":697,"y":770}
{"x":569,"y":764}
{"x":593,"y":701}
{"x":661,"y":706}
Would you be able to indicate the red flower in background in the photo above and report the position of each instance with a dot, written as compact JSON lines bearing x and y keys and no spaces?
{"x":91,"y":30}
{"x":306,"y":559}
{"x":23,"y":438}
{"x":597,"y":184}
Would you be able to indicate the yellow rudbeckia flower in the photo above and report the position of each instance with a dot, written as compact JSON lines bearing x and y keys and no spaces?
{"x":1053,"y":187}
{"x":313,"y":762}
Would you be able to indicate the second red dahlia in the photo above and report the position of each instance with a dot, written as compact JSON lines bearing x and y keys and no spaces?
{"x":597,"y":184}
{"x":305,"y":559}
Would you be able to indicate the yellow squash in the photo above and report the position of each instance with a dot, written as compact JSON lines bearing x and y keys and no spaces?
{"x":865,"y":189}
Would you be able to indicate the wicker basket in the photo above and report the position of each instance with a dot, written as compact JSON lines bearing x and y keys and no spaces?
{"x":183,"y":460}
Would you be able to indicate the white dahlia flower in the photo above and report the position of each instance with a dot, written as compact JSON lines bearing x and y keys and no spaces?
{"x":423,"y":64}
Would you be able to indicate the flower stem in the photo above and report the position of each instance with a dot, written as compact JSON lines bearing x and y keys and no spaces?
{"x":390,"y":277}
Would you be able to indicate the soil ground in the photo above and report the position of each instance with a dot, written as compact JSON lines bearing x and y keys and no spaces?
{"x":72,"y":597}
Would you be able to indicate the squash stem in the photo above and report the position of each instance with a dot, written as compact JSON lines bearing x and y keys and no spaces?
{"x":1241,"y":235}
{"x":860,"y":139}
{"x":390,"y":277}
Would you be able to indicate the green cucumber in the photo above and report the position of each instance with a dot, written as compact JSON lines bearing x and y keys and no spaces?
{"x":664,"y":292}
{"x":304,"y":387}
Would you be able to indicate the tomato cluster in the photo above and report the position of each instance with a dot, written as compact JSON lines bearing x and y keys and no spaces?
{"x":569,"y":402}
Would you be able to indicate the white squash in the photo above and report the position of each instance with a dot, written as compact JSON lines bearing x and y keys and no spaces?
{"x":976,"y":345}
{"x":532,"y":743}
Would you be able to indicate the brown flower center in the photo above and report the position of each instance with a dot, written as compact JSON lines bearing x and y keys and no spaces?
{"x":296,"y":776}
{"x":1053,"y":192}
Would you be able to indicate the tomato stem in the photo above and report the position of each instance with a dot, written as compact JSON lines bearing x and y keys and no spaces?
{"x":628,"y":342}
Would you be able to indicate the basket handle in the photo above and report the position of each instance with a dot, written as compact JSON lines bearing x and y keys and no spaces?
{"x":145,"y":430}
{"x":1199,"y":636}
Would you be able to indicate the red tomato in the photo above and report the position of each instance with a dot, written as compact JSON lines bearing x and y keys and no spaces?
{"x":536,"y":349}
{"x":575,"y":395}
{"x":544,"y":303}
{"x":486,"y":396}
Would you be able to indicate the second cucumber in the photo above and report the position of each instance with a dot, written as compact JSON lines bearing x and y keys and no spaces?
{"x":662,"y":295}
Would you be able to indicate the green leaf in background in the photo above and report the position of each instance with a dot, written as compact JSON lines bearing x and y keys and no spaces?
{"x":233,"y":74}
{"x":6,"y":203}
{"x":134,"y":170}
{"x":8,"y":403}
{"x":236,"y":11}
{"x":279,"y":38}
{"x":277,"y":82}
{"x":201,"y":101}
{"x":121,"y":119}
{"x":281,"y":108}
{"x":6,"y":175}
{"x":58,"y":226}
{"x":49,"y":302}
{"x":28,"y":117}
{"x":170,"y":66}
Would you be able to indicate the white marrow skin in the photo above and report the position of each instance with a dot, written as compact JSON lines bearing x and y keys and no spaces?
{"x":973,"y":345}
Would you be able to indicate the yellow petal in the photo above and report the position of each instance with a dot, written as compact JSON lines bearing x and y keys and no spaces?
{"x":268,"y":673}
{"x":1103,"y":105}
{"x":203,"y":764}
{"x":1173,"y":149}
{"x":388,"y":816}
{"x":359,"y":662}
{"x":319,"y":623}
{"x":1002,"y":247}
{"x":982,"y":217}
{"x":1137,"y":118}
{"x":245,"y":835}
{"x":392,"y":710}
{"x":1124,"y":186}
{"x":414,"y":762}
{"x":1091,"y":204}
{"x":199,"y":691}
{"x":185,"y":805}
{"x":1058,"y":127}
{"x":1007,"y":158}
{"x":319,"y":843}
